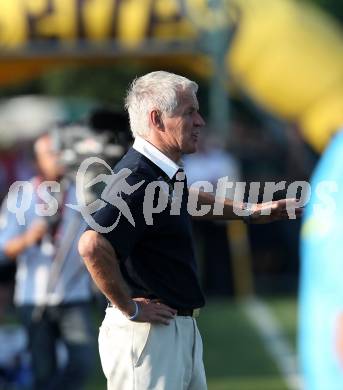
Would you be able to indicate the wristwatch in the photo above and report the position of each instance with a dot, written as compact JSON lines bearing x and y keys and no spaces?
{"x":248,"y":207}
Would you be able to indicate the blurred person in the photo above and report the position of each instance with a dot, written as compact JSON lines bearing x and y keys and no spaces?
{"x":149,"y":338}
{"x":212,"y":162}
{"x":53,"y":288}
{"x":272,"y":151}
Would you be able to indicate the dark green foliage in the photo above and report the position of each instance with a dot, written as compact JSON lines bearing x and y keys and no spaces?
{"x":333,"y":7}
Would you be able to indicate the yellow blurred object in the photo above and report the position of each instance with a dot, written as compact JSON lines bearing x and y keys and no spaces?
{"x":286,"y":54}
{"x":324,"y":118}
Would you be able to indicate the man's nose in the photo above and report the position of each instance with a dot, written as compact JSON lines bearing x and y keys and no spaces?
{"x":199,"y":121}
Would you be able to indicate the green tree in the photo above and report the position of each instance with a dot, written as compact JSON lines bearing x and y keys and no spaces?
{"x":334,"y":7}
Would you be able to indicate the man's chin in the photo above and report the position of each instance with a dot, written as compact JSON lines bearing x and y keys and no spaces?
{"x":190,"y":150}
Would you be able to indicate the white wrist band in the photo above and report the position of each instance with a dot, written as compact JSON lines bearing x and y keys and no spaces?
{"x":135,"y":315}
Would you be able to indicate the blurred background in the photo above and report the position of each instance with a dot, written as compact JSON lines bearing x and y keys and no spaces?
{"x":271,"y":90}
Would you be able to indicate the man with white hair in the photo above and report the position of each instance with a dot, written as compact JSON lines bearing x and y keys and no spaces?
{"x":149,"y":337}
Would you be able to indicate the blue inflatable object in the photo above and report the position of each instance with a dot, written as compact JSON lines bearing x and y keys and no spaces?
{"x":321,"y":282}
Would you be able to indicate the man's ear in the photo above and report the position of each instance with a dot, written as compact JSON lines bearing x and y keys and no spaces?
{"x":156,"y":119}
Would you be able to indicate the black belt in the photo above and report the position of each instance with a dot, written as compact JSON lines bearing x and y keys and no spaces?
{"x":180,"y":312}
{"x":188,"y":312}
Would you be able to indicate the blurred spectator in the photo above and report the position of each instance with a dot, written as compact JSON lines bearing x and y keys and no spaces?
{"x":270,"y":151}
{"x":53,"y":289}
{"x":211,"y":163}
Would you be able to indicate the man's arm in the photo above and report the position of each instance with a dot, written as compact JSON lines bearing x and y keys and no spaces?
{"x":13,"y":247}
{"x":259,"y":212}
{"x":15,"y":238}
{"x":103,"y":265}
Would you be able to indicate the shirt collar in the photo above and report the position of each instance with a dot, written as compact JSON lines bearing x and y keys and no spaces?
{"x":156,"y":156}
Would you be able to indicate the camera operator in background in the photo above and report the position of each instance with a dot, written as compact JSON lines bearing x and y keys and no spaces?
{"x":53,"y":289}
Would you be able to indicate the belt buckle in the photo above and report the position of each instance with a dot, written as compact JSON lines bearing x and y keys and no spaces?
{"x":196,"y":313}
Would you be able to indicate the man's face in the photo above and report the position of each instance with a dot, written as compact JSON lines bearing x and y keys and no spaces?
{"x":47,"y":159}
{"x":183,"y":128}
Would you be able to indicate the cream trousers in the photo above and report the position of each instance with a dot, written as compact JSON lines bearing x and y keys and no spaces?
{"x":144,"y":356}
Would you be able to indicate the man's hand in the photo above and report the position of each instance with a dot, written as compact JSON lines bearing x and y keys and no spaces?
{"x":277,"y":210}
{"x":154,"y":311}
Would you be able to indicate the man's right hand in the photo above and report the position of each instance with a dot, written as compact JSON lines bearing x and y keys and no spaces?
{"x":154,"y":311}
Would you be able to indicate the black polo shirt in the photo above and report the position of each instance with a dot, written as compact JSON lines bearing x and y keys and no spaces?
{"x":156,"y":261}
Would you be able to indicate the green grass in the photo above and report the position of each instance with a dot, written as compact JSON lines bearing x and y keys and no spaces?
{"x":286,"y":311}
{"x":98,"y":381}
{"x":260,"y":383}
{"x":234,"y":357}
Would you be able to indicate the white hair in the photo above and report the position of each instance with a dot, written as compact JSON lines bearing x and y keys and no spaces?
{"x":155,"y":91}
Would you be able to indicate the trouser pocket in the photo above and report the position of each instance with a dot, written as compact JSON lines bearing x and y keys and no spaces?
{"x":114,"y":348}
{"x":141,"y":331}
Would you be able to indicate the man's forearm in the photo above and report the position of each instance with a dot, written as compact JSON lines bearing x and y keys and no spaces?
{"x":102,"y":263}
{"x":30,"y":237}
{"x":224,"y":210}
{"x":265,"y":212}
{"x":15,"y":246}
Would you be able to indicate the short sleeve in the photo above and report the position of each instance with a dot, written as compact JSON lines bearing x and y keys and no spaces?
{"x":127,"y":228}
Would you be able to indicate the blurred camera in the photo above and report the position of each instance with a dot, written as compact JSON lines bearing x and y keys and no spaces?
{"x":105,"y":135}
